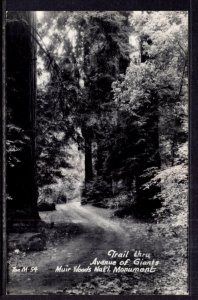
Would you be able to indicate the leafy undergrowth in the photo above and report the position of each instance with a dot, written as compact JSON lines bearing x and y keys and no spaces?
{"x":82,"y":233}
{"x":69,"y":185}
{"x":172,"y":223}
{"x":170,"y":227}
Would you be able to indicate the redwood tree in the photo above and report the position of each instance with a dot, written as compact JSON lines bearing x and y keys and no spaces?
{"x":21,"y":101}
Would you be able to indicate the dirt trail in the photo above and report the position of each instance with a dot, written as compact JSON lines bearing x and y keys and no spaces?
{"x":99,"y":234}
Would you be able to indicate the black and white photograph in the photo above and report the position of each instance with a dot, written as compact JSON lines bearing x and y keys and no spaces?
{"x":97,"y":106}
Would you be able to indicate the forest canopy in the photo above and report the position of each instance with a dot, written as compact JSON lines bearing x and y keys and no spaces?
{"x":115,"y":84}
{"x":118,"y":84}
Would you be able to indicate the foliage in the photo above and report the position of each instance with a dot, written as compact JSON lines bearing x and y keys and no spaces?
{"x":16,"y":141}
{"x":128,"y":116}
{"x":129,"y":119}
{"x":129,"y":122}
{"x":174,"y":206}
{"x":164,"y":73}
{"x":84,"y":98}
{"x":56,"y":104}
{"x":154,"y":95}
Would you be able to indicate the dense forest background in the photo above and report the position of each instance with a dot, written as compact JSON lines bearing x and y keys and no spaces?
{"x":109,"y":119}
{"x":97,"y":112}
{"x":122,"y":97}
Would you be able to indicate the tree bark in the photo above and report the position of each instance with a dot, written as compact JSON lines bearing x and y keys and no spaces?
{"x":21,"y":101}
{"x":88,"y":160}
{"x":175,"y":129}
{"x":87,"y":135}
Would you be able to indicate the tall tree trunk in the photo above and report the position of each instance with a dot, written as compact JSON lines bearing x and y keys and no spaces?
{"x":88,"y":156}
{"x":149,"y":161}
{"x":99,"y":164}
{"x":175,"y":126}
{"x":21,"y":101}
{"x":88,"y":160}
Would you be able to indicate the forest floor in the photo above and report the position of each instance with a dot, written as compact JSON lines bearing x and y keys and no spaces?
{"x":92,"y":233}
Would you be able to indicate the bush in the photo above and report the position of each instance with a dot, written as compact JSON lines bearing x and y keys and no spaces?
{"x":96,"y":193}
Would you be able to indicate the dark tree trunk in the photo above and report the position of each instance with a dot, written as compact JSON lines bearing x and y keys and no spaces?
{"x":87,"y":135}
{"x":88,"y":160}
{"x":148,"y":199}
{"x":99,"y":164}
{"x":21,"y":101}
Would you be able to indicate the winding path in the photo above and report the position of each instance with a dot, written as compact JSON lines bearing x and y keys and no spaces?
{"x":97,"y":233}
